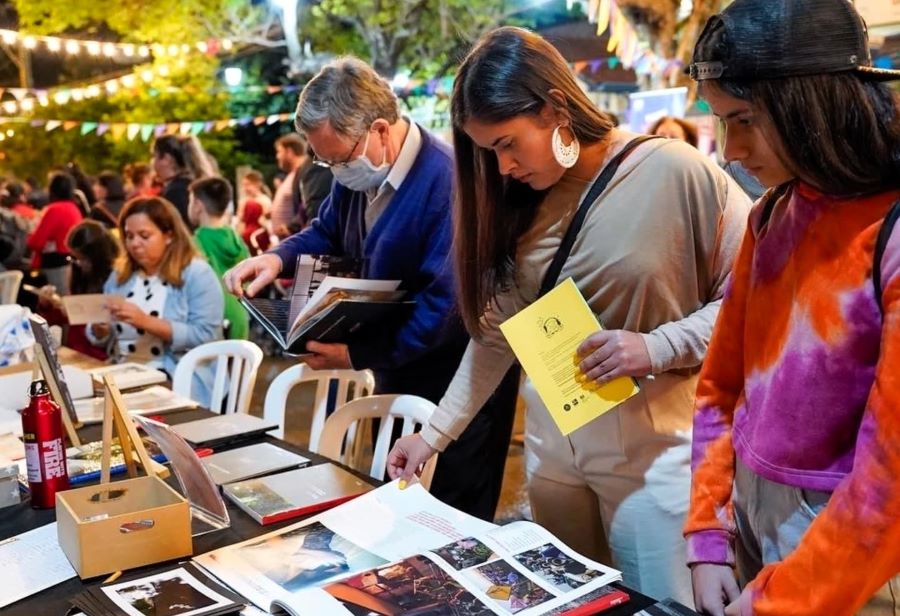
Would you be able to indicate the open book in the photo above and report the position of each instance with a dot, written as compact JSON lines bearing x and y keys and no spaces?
{"x":394,"y":552}
{"x":323,"y":307}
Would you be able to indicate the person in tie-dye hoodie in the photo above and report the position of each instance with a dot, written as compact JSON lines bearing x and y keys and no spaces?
{"x":796,"y":450}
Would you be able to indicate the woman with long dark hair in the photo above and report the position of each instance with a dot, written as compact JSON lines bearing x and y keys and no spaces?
{"x":177,"y":161}
{"x":796,"y":431}
{"x":47,"y":242}
{"x":651,"y":259}
{"x":93,"y":251}
{"x":110,"y":191}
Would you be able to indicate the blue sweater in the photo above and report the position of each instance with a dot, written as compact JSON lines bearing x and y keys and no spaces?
{"x":409,"y":242}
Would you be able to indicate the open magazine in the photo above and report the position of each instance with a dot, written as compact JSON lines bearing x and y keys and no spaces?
{"x":328,"y":303}
{"x":395,"y":552}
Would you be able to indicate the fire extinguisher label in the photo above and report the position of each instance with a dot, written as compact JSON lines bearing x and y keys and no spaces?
{"x":53,"y":458}
{"x":33,"y":462}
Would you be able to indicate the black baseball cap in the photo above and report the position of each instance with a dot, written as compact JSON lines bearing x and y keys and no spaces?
{"x":768,"y":39}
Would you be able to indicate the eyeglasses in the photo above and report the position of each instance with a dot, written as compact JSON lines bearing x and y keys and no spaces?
{"x":328,"y":165}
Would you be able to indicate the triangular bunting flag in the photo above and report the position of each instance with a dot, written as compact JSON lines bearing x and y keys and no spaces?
{"x":223,"y":124}
{"x":70,"y":124}
{"x":284,"y":117}
{"x":602,"y":16}
{"x":36,"y":123}
{"x":184,"y":128}
{"x":117,"y":130}
{"x":159,"y":130}
{"x":102,"y":128}
{"x":235,"y":122}
{"x":146,"y":131}
{"x":88,"y":127}
{"x":208,"y":126}
{"x":52,"y":125}
{"x":272,"y":119}
{"x":196,"y":128}
{"x":133,"y":130}
{"x":259,"y":120}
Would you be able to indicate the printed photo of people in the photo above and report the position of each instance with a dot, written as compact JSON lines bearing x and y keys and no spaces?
{"x":171,"y":593}
{"x":562,"y":571}
{"x":465,"y":553}
{"x":414,"y":586}
{"x":508,"y":588}
{"x":307,"y":556}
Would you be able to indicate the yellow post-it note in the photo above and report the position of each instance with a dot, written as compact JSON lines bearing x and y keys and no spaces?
{"x":545,"y":337}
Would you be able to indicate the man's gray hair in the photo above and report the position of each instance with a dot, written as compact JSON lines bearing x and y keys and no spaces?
{"x":350,"y":95}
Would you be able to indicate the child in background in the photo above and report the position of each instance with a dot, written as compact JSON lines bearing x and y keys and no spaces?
{"x":796,"y":463}
{"x":210,"y":208}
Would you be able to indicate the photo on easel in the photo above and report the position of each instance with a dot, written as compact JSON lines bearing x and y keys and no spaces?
{"x":47,"y":362}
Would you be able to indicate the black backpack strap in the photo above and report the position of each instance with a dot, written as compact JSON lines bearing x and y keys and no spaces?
{"x":884,"y":234}
{"x":565,"y":247}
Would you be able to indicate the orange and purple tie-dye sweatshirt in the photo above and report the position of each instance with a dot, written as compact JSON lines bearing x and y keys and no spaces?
{"x":802,"y":383}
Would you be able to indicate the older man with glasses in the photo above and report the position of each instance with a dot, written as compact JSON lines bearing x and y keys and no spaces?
{"x":390,"y":206}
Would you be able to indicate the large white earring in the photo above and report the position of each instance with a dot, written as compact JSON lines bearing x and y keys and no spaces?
{"x":565,"y":155}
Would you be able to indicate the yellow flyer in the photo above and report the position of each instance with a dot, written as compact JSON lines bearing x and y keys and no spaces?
{"x":545,"y":337}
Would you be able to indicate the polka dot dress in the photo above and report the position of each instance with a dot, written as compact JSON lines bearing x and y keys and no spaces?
{"x":134,"y":344}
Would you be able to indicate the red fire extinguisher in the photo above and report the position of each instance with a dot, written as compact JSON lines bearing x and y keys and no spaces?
{"x":45,"y":450}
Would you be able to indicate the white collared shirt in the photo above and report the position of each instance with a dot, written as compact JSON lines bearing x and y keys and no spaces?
{"x":380,"y":198}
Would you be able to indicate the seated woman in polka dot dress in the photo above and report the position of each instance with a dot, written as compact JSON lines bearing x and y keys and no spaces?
{"x":173,"y":299}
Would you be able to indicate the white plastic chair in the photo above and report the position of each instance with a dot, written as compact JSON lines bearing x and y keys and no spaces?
{"x":10,"y":282}
{"x":413,"y":410}
{"x":236,"y":365}
{"x":351,"y":384}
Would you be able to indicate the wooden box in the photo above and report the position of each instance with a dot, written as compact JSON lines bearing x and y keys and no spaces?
{"x":117,"y":526}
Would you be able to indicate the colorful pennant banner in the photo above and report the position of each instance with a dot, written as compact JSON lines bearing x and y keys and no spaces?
{"x":133,"y":130}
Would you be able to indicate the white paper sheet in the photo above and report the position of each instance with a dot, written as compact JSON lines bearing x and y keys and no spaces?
{"x":32,"y":562}
{"x":89,"y":308}
{"x":15,"y":390}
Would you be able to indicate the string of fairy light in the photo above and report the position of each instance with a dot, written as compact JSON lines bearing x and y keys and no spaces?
{"x":28,"y":99}
{"x":56,"y":44}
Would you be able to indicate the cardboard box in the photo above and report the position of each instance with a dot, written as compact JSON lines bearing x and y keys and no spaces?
{"x":142,"y":521}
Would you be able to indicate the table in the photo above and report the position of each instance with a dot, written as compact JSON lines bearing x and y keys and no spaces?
{"x":54,"y":601}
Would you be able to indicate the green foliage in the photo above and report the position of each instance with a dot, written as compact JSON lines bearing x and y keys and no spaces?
{"x":34,"y":151}
{"x":421,"y":35}
{"x":171,"y":21}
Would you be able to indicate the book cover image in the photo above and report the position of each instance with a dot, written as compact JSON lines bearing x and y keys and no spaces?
{"x":307,"y":556}
{"x":258,"y":497}
{"x":413,"y":586}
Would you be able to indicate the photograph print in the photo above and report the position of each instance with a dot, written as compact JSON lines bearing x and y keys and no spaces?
{"x":465,"y":553}
{"x":557,"y":568}
{"x":306,"y":556}
{"x":170,"y":593}
{"x":507,"y":587}
{"x":415,"y":586}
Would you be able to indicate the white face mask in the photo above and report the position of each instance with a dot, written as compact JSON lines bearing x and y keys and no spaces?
{"x":361,"y":173}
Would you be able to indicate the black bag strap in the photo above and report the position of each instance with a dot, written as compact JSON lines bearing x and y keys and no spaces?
{"x":884,"y":234}
{"x":600,"y":184}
